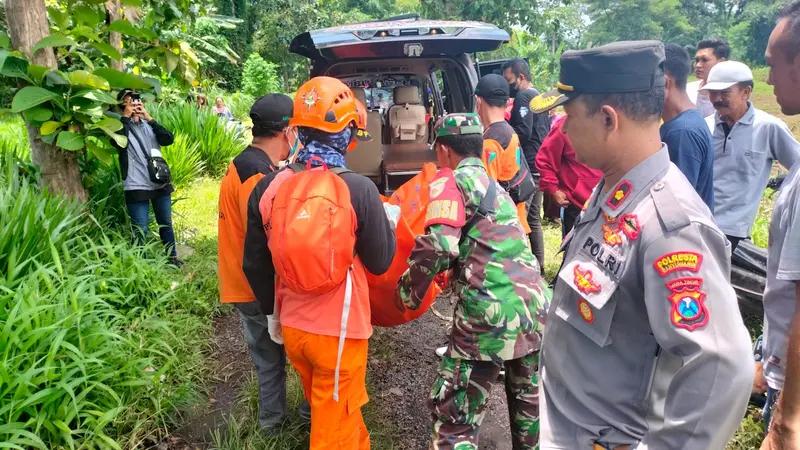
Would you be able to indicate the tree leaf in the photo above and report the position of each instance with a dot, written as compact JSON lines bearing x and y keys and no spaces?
{"x":172,"y":60}
{"x":50,"y":127}
{"x":90,"y":111}
{"x":109,"y":125}
{"x":48,"y":138}
{"x":84,"y":78}
{"x":37,"y":73}
{"x":155,"y":84}
{"x":70,"y":141}
{"x":97,"y":96}
{"x":101,"y":152}
{"x":107,"y":50}
{"x":60,"y":18}
{"x":5,"y":41}
{"x":39,"y":114}
{"x":124,"y":27}
{"x":54,"y":40}
{"x":13,"y":66}
{"x":87,"y":15}
{"x":121,"y":80}
{"x":31,"y":96}
{"x":136,"y":3}
{"x":86,"y":60}
{"x":56,"y":78}
{"x":122,"y":141}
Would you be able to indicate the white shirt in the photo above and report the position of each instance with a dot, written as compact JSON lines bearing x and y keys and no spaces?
{"x":742,"y":164}
{"x":783,"y":270}
{"x":700,"y":98}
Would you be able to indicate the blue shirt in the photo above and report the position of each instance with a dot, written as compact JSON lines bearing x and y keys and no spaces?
{"x":691,"y":148}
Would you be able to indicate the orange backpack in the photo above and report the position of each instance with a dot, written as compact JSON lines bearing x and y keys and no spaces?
{"x":313,"y":229}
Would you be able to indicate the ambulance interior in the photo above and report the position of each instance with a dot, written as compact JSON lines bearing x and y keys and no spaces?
{"x":404,"y":99}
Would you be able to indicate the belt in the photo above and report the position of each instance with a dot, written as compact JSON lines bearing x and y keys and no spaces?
{"x":598,"y":446}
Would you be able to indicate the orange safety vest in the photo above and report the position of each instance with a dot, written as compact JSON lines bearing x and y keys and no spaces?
{"x":502,"y":164}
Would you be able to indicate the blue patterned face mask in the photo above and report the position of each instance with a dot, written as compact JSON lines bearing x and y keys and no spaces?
{"x":329,"y":147}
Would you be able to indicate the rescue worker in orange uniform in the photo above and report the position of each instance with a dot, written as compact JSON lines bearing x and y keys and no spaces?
{"x":273,"y":141}
{"x":502,"y":154}
{"x":325,"y":334}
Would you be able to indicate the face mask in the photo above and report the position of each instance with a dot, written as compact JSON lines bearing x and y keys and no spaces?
{"x":292,"y":151}
{"x":513,"y":90}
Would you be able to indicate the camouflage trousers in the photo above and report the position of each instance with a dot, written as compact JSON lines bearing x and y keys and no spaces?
{"x":460,"y":394}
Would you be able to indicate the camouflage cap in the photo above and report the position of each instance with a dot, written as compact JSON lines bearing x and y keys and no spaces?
{"x":457,"y":124}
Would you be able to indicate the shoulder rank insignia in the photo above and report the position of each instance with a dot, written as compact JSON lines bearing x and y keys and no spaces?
{"x":446,"y":206}
{"x":584,"y":282}
{"x":585,"y":309}
{"x":621,"y":192}
{"x":688,"y":303}
{"x":675,"y":261}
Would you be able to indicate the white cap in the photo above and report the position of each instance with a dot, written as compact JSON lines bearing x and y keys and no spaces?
{"x":725,"y":74}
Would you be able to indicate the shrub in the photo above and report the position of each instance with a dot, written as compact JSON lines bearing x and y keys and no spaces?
{"x":240,"y":104}
{"x":218,"y":143}
{"x":184,"y":159}
{"x":99,"y":345}
{"x":259,"y":76}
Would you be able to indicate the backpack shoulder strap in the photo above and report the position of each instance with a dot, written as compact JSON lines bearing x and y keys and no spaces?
{"x":340,"y":170}
{"x":484,"y":209}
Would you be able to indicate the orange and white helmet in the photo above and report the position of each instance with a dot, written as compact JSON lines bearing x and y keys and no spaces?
{"x":327,"y":104}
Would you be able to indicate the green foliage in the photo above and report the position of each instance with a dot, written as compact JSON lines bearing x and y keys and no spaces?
{"x":218,"y":143}
{"x":99,"y":345}
{"x":69,"y":107}
{"x":184,"y":159}
{"x":259,"y":77}
{"x":543,"y":60}
{"x":748,"y":37}
{"x":750,"y":434}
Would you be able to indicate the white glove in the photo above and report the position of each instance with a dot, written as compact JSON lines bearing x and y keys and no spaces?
{"x":274,"y":328}
{"x":392,"y":213}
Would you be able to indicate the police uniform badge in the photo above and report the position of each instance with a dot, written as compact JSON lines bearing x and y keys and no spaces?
{"x":688,"y":303}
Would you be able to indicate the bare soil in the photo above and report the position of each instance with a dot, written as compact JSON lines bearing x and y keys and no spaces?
{"x":402,"y":368}
{"x":232,"y":369}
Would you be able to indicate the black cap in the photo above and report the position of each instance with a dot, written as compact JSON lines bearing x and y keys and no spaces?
{"x":620,"y":67}
{"x":492,"y":86}
{"x":123,"y":93}
{"x":271,"y":112}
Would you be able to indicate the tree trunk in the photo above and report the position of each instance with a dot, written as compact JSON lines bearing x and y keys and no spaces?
{"x":114,"y":9}
{"x":27,"y":25}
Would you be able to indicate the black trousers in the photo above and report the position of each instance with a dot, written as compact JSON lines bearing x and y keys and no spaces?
{"x":569,"y":216}
{"x":734,"y":242}
{"x":535,"y":222}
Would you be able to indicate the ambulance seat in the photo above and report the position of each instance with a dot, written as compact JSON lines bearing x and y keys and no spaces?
{"x":366,"y":158}
{"x":407,"y":117}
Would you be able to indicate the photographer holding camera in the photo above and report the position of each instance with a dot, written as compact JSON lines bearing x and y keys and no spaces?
{"x":146,"y":176}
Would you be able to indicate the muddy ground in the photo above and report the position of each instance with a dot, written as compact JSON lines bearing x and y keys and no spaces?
{"x":402,"y":367}
{"x":403,"y":362}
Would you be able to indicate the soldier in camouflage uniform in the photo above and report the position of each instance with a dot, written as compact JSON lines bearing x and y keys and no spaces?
{"x":499,"y":317}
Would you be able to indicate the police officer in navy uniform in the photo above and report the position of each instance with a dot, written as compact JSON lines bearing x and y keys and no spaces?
{"x":645,"y":347}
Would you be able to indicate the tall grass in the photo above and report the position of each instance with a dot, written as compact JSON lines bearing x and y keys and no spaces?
{"x":218,"y":145}
{"x":100,"y":345}
{"x":185,"y":160}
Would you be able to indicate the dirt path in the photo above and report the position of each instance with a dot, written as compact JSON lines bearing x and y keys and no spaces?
{"x":232,"y":369}
{"x":402,"y":368}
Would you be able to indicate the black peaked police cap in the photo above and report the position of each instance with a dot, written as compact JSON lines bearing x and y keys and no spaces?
{"x":616,"y":68}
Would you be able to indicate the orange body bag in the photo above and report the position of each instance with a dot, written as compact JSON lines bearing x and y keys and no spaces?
{"x":412,"y":198}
